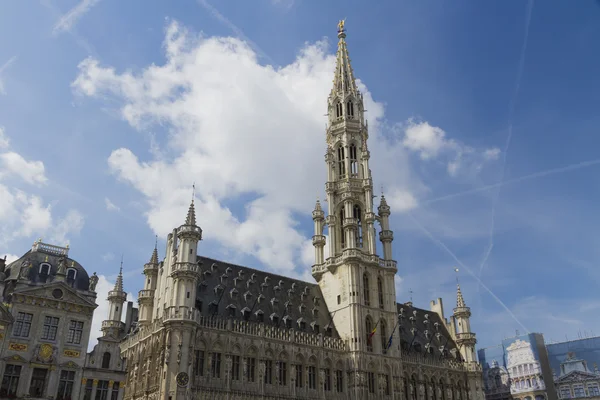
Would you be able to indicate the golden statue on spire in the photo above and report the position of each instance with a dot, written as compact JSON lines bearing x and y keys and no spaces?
{"x":341,"y":25}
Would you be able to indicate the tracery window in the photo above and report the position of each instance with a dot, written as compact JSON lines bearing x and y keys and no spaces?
{"x":338,"y":110}
{"x":369,"y":329}
{"x":366,"y":289}
{"x":350,"y":109}
{"x":359,"y":233}
{"x":380,"y":291}
{"x":383,"y":336}
{"x":341,"y":158}
{"x":353,"y":161}
{"x":342,"y":235}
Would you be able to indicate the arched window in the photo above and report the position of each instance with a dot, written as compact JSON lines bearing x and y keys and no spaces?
{"x":71,"y":275}
{"x":106,"y":360}
{"x":380,"y":291}
{"x":353,"y":161}
{"x":341,"y":158}
{"x":358,"y":217}
{"x":342,"y":235}
{"x":350,"y":109}
{"x":366,"y":289}
{"x":338,"y":110}
{"x":369,"y":329}
{"x":44,"y":272}
{"x":383,"y":336}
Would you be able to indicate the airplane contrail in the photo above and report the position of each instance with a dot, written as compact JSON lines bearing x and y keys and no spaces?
{"x":483,"y":285}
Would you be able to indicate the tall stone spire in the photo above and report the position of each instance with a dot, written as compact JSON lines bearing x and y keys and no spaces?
{"x":154,"y":257}
{"x":343,"y":80}
{"x":460,"y":302}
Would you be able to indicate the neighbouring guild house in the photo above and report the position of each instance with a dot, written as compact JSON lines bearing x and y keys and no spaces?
{"x":48,"y":301}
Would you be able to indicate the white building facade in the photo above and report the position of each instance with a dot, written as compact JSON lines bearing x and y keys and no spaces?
{"x":214,"y":330}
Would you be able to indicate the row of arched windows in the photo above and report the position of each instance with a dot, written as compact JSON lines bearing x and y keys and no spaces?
{"x":341,"y":161}
{"x":339,"y":108}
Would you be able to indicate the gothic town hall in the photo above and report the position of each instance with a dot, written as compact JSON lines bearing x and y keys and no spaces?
{"x":209,"y":329}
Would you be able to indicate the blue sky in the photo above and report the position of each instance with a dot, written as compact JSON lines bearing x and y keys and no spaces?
{"x":483,"y":121}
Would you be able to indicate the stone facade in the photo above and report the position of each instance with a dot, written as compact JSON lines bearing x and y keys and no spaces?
{"x":48,"y":305}
{"x":576,"y":380}
{"x":214,"y":330}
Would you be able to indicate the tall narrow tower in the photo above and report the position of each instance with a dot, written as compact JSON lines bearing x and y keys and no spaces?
{"x":147,"y":294}
{"x":465,"y":339}
{"x":356,"y":283}
{"x":179,"y":320}
{"x":116,"y":298}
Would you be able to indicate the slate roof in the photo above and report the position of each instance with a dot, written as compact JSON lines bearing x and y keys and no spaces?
{"x":426,"y":331}
{"x":227,"y":289}
{"x":38,"y":257}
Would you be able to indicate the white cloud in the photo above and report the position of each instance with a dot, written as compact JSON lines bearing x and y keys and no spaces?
{"x":246,"y":129}
{"x":3,"y":68}
{"x":31,"y":172}
{"x":108,"y":257}
{"x":73,"y":15}
{"x":23,"y":214}
{"x":110,"y":206}
{"x":4,"y":141}
{"x":10,"y":258}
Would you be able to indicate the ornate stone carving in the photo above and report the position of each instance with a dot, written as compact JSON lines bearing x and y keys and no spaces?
{"x":93,"y":282}
{"x":24,"y":271}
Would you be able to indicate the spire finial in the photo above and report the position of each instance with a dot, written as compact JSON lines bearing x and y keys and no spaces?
{"x":154,"y":258}
{"x":119,"y":282}
{"x":460,"y":301}
{"x":411,"y":293}
{"x":341,"y":28}
{"x":193,"y":191}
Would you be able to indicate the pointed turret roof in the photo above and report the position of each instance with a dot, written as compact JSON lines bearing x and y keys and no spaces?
{"x":318,"y":206}
{"x":154,"y":257}
{"x":191,"y":215}
{"x":460,"y":302}
{"x":119,"y":282}
{"x":343,"y":80}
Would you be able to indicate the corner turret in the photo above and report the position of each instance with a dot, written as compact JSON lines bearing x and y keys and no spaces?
{"x":113,"y":326}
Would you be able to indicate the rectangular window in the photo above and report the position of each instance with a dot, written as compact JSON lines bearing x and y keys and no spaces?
{"x":312,"y":377}
{"x":75,"y":332}
{"x":299,"y":379}
{"x":10,"y":380}
{"x":578,"y":391}
{"x":235,"y":368}
{"x":50,"y":328}
{"x":38,"y":382}
{"x":593,"y":389}
{"x":87,"y":394}
{"x":102,"y":390}
{"x":268,"y":371}
{"x":22,"y":325}
{"x":250,"y":369}
{"x":65,"y":385}
{"x":199,"y":364}
{"x":565,"y":392}
{"x":282,"y":373}
{"x":339,"y":381}
{"x":371,"y":382}
{"x":216,"y":365}
{"x":327,"y":383}
{"x":114,"y":395}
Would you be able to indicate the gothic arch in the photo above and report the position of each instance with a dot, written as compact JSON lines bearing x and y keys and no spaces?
{"x":251,"y":351}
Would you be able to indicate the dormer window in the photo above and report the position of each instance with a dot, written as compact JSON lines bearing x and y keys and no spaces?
{"x":315,"y":327}
{"x":228,"y":270}
{"x":231,"y":310}
{"x":260,"y":316}
{"x":214,"y":267}
{"x":263,"y":286}
{"x":71,"y":275}
{"x":233,"y":293}
{"x":275,"y":319}
{"x":247,"y":296}
{"x":301,"y":324}
{"x":301,"y":308}
{"x":287,"y":320}
{"x":288,"y":306}
{"x":45,"y":269}
{"x":274,"y":301}
{"x":246,"y":313}
{"x":213,"y":307}
{"x":218,"y":290}
{"x":315,"y":312}
{"x":223,"y":279}
{"x":316,"y":301}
